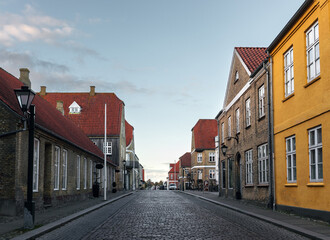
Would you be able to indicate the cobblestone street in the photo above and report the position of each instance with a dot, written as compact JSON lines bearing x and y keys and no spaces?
{"x":167,"y":215}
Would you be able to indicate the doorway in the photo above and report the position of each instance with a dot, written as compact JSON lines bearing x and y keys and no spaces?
{"x":238,"y":191}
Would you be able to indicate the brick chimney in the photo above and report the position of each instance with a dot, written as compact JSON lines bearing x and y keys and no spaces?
{"x":24,"y":76}
{"x":42,"y":90}
{"x":92,"y":91}
{"x":59,"y":106}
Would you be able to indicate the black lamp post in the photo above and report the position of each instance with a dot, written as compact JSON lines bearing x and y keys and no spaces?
{"x":25,"y":97}
{"x":124,"y":162}
{"x":224,"y":149}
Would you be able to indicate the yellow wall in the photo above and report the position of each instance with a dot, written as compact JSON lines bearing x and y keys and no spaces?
{"x":308,"y":107}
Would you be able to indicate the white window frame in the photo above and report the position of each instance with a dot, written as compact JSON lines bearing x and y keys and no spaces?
{"x":211,"y":174}
{"x":64,"y":169}
{"x":107,"y":149}
{"x":248,"y":112}
{"x":85,"y":173}
{"x":315,"y":154}
{"x":78,"y":173}
{"x":57,"y":161}
{"x":74,"y":108}
{"x":211,"y":157}
{"x":288,"y":72}
{"x":90,"y":174}
{"x":290,"y":143}
{"x":261,"y":97}
{"x":200,"y":174}
{"x":236,"y":76}
{"x":36,"y":165}
{"x":249,"y":167}
{"x":263,"y":163}
{"x":199,"y":157}
{"x":229,"y":126}
{"x":313,"y":52}
{"x":222,"y":132}
{"x":237,"y":120}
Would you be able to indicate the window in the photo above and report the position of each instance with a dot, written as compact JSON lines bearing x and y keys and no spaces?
{"x":108,"y":148}
{"x":222,"y":132}
{"x":90,"y":174}
{"x":230,"y":173}
{"x":247,"y":113}
{"x":57,"y":168}
{"x":223,"y":167}
{"x":36,"y":165}
{"x":171,"y":176}
{"x":315,"y":154}
{"x":74,"y":108}
{"x":291,"y":159}
{"x":200,"y":174}
{"x":64,"y":169}
{"x":85,"y":173}
{"x":236,"y":76}
{"x":249,"y":169}
{"x":288,"y":72}
{"x":313,"y":52}
{"x":199,"y":157}
{"x":211,"y":173}
{"x":212,"y":157}
{"x":229,"y":126}
{"x":237,"y":120}
{"x":263,"y":163}
{"x":261,"y":101}
{"x":78,"y":172}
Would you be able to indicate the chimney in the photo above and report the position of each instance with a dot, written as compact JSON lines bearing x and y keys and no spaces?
{"x":24,"y":77}
{"x":59,"y":106}
{"x":42,"y":90}
{"x":92,"y":91}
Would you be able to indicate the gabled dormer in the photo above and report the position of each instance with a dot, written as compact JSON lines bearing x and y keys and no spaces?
{"x":74,"y":108}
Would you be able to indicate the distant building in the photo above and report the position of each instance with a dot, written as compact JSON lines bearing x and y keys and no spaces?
{"x":185,"y":171}
{"x":173,"y":174}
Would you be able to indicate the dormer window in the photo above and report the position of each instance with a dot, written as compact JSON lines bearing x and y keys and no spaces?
{"x":74,"y":108}
{"x":236,"y":76}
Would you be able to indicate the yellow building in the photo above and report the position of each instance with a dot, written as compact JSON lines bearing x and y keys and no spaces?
{"x":300,"y":57}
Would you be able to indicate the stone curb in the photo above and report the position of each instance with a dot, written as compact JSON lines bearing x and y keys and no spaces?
{"x":51,"y":226}
{"x":290,"y":227}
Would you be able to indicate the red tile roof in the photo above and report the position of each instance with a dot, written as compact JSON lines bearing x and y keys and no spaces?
{"x":47,"y":117}
{"x":175,"y":167}
{"x":128,"y":132}
{"x":186,"y":160}
{"x":205,"y":131}
{"x":91,"y":118}
{"x":252,"y":56}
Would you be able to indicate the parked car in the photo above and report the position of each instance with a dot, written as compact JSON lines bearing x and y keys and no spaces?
{"x":172,"y":186}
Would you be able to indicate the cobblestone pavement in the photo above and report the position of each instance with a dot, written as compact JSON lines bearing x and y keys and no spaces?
{"x":167,"y":215}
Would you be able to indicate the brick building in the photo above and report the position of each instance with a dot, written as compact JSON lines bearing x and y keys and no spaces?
{"x":203,"y":162}
{"x":185,"y":171}
{"x":64,"y":157}
{"x":243,"y":128}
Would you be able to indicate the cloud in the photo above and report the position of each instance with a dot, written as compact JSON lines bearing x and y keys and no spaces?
{"x":31,"y":26}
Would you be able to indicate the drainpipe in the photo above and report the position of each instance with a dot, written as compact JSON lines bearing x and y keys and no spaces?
{"x":271,"y":200}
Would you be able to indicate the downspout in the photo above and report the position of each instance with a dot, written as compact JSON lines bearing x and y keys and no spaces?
{"x":271,"y":200}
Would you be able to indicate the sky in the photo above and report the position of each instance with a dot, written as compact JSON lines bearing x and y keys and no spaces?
{"x":168,"y":60}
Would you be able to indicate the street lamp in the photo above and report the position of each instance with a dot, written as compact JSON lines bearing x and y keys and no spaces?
{"x":25,"y":97}
{"x":224,"y":149}
{"x":124,"y":162}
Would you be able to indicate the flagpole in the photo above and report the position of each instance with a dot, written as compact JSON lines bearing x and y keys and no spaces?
{"x":105,"y":152}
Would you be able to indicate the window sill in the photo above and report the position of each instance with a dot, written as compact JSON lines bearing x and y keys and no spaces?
{"x":247,"y":127}
{"x":316,"y":184}
{"x":291,"y":185}
{"x":312,"y":81}
{"x":249,"y":186}
{"x":262,"y":118}
{"x":288,"y":97}
{"x":263,"y":185}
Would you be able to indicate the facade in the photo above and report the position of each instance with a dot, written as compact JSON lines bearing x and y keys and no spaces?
{"x":173,"y":174}
{"x":300,"y":57}
{"x":87,"y":111}
{"x":64,"y":157}
{"x":243,"y":129}
{"x":203,"y":162}
{"x":185,"y":171}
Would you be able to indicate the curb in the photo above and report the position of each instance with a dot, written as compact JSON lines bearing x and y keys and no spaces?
{"x":51,"y":226}
{"x":290,"y":227}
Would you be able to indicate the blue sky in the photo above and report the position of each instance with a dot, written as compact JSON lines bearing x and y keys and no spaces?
{"x":168,"y":60}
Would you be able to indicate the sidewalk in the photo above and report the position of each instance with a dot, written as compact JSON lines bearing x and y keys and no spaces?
{"x":52,"y":217}
{"x":309,"y":228}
